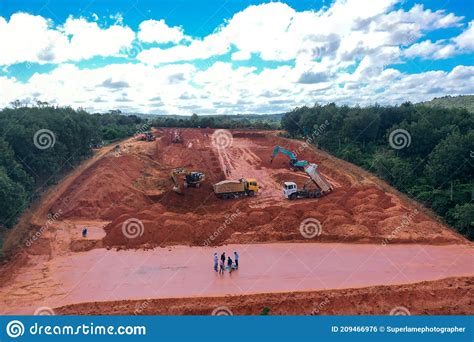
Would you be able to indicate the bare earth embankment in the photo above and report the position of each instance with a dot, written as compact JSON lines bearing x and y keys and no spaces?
{"x":377,"y":249}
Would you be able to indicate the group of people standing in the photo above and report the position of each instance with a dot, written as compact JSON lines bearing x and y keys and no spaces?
{"x":231,"y":265}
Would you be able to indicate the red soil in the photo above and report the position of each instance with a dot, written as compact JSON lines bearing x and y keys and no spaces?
{"x":137,"y":185}
{"x":449,"y":296}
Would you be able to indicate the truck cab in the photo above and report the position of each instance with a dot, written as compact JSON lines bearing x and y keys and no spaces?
{"x":289,"y":188}
{"x":291,"y":191}
{"x":252,"y":186}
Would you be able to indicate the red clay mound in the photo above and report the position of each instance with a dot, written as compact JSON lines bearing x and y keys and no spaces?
{"x":105,"y":190}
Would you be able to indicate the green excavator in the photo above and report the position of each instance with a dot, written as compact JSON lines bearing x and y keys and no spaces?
{"x":295,"y":164}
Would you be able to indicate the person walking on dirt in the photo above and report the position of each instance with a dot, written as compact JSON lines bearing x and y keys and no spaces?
{"x":216,"y":260}
{"x":223,"y":257}
{"x":236,"y":258}
{"x":229,"y":264}
{"x":84,"y":232}
{"x":222,"y":267}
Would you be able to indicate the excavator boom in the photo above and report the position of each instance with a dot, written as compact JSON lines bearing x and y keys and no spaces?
{"x":294,"y":162}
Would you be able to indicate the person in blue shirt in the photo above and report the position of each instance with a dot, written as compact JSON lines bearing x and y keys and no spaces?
{"x":216,"y":262}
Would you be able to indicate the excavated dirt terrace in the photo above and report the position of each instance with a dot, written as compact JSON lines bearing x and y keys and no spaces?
{"x":136,"y":184}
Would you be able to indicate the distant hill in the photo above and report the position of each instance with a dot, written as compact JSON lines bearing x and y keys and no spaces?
{"x":462,"y":101}
{"x":237,"y":117}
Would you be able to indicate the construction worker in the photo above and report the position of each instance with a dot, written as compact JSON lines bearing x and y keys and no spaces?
{"x":216,"y":260}
{"x":222,"y":267}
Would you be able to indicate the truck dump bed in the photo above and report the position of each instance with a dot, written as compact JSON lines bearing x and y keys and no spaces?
{"x":228,"y":186}
{"x":312,"y":171}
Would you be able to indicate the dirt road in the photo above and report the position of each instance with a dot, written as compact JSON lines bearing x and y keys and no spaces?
{"x":104,"y":275}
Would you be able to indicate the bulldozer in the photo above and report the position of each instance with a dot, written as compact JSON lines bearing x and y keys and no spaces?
{"x":176,"y":139}
{"x":191,"y":179}
{"x":147,"y":136}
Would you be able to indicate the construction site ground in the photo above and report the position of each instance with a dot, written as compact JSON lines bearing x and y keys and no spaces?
{"x":374,"y":249}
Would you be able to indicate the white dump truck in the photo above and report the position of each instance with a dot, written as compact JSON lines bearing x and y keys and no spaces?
{"x":291,"y":191}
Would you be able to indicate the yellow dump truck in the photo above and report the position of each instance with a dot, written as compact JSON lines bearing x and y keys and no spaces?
{"x":236,"y":188}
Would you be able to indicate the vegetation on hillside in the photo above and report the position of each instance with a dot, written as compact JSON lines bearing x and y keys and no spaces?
{"x":39,"y":144}
{"x":426,"y":152}
{"x":462,"y":101}
{"x":220,"y":121}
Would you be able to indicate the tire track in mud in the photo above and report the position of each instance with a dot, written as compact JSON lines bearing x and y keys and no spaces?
{"x":239,"y":161}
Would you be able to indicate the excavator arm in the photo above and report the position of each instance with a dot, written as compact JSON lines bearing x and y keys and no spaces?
{"x":294,"y":162}
{"x":284,"y":151}
{"x":174,"y":177}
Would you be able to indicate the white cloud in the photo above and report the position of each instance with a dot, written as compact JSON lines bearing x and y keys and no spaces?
{"x":156,"y":31}
{"x":88,"y":39}
{"x":347,"y":31}
{"x":30,"y":38}
{"x":422,"y":18}
{"x":441,"y":49}
{"x":210,"y":46}
{"x":426,"y":49}
{"x":341,"y":53}
{"x":241,"y":56}
{"x":224,"y":89}
{"x":466,"y":39}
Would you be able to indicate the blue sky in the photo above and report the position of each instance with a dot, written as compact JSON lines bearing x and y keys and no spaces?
{"x":233,"y":56}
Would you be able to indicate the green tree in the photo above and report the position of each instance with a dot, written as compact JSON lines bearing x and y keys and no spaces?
{"x":464,"y":217}
{"x":450,"y":159}
{"x":13,"y":198}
